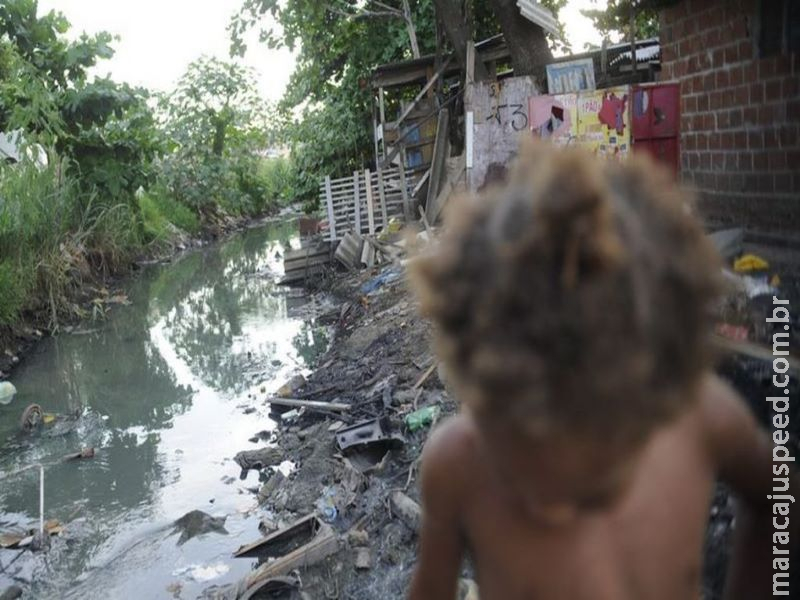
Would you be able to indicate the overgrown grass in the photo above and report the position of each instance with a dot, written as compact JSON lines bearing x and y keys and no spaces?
{"x":56,"y":238}
{"x":159,"y":211}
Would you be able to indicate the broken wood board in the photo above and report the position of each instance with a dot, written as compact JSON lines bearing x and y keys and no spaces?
{"x":753,"y":350}
{"x":434,"y":209}
{"x":440,"y":149}
{"x":285,"y":540}
{"x":310,"y":404}
{"x":324,"y":544}
{"x":349,"y":250}
{"x":405,"y":508}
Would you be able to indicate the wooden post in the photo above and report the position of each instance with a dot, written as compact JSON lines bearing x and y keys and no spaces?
{"x":370,"y":207}
{"x":329,"y":202}
{"x":382,"y":196}
{"x":357,"y":202}
{"x":440,"y":146}
{"x":404,"y":190}
{"x":468,"y":138}
{"x":375,"y":125}
{"x":382,"y":117}
{"x":470,"y":62}
{"x":412,"y":32}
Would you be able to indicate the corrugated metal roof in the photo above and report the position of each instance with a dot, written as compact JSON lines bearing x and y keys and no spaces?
{"x":645,"y":54}
{"x":538,"y":14}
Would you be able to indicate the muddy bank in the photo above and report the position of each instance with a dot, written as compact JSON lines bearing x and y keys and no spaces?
{"x":97,"y":290}
{"x":381,"y":366}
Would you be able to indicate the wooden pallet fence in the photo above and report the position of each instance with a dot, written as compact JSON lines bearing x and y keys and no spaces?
{"x":366,"y":201}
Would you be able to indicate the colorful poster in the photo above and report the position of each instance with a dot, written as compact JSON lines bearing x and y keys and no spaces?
{"x":604,"y":121}
{"x":598,"y":120}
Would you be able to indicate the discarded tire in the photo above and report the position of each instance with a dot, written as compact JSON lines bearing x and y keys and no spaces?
{"x":31,"y":418}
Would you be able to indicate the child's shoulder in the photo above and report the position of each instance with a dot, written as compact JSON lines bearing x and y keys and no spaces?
{"x":449,"y":455}
{"x":452,"y":441}
{"x":726,"y":419}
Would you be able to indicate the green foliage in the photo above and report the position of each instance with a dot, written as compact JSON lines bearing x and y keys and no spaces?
{"x":328,"y":102}
{"x":616,"y":19}
{"x":160,"y":211}
{"x":276,"y":175}
{"x":217,"y":123}
{"x":13,"y":292}
{"x":557,"y":42}
{"x":338,"y":45}
{"x":49,"y":233}
{"x":112,"y":139}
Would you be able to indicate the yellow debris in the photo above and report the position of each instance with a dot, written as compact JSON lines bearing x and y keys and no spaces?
{"x":749,"y":263}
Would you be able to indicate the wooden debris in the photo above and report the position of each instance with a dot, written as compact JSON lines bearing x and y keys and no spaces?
{"x":349,"y":250}
{"x":426,"y":375}
{"x":752,"y":350}
{"x":323,"y":544}
{"x":405,"y":508}
{"x":358,"y":537}
{"x":311,"y":404}
{"x":84,"y":453}
{"x":363,"y":559}
{"x":434,"y":209}
{"x":440,"y":148}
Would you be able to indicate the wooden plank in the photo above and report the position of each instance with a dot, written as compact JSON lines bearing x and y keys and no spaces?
{"x":407,"y":212}
{"x":470,"y":61}
{"x":356,"y":202}
{"x":468,"y":137}
{"x":437,"y":164}
{"x":444,"y":194}
{"x":310,"y":404}
{"x":753,"y":350}
{"x":370,"y":207}
{"x":311,"y":250}
{"x":382,"y":196}
{"x":420,"y":183}
{"x":301,"y":274}
{"x":329,"y":204}
{"x":302,"y":263}
{"x":419,"y":96}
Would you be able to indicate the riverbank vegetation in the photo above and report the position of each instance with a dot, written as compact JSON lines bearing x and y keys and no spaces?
{"x":96,"y":173}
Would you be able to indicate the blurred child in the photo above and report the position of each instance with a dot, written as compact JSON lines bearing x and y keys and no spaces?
{"x":573,"y":315}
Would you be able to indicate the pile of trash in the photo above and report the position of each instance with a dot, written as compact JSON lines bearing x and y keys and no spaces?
{"x":344,"y":521}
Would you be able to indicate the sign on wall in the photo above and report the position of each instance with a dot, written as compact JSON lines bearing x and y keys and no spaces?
{"x":573,"y":76}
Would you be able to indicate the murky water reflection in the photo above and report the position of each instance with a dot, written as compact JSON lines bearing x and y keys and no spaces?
{"x":159,"y":389}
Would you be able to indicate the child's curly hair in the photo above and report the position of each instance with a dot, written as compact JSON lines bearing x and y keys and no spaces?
{"x":574,"y":298}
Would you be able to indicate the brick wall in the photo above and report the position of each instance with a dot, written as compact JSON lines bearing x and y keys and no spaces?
{"x":740,"y":114}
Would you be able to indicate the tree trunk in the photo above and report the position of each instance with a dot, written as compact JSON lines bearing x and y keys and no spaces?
{"x":220,"y":127}
{"x":451,"y":14}
{"x":526,"y":42}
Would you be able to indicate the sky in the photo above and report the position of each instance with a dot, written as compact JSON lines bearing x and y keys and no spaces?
{"x":159,"y":38}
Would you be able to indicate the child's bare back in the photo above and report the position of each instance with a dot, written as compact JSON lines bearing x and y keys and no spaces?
{"x":644,"y":541}
{"x":572,"y":317}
